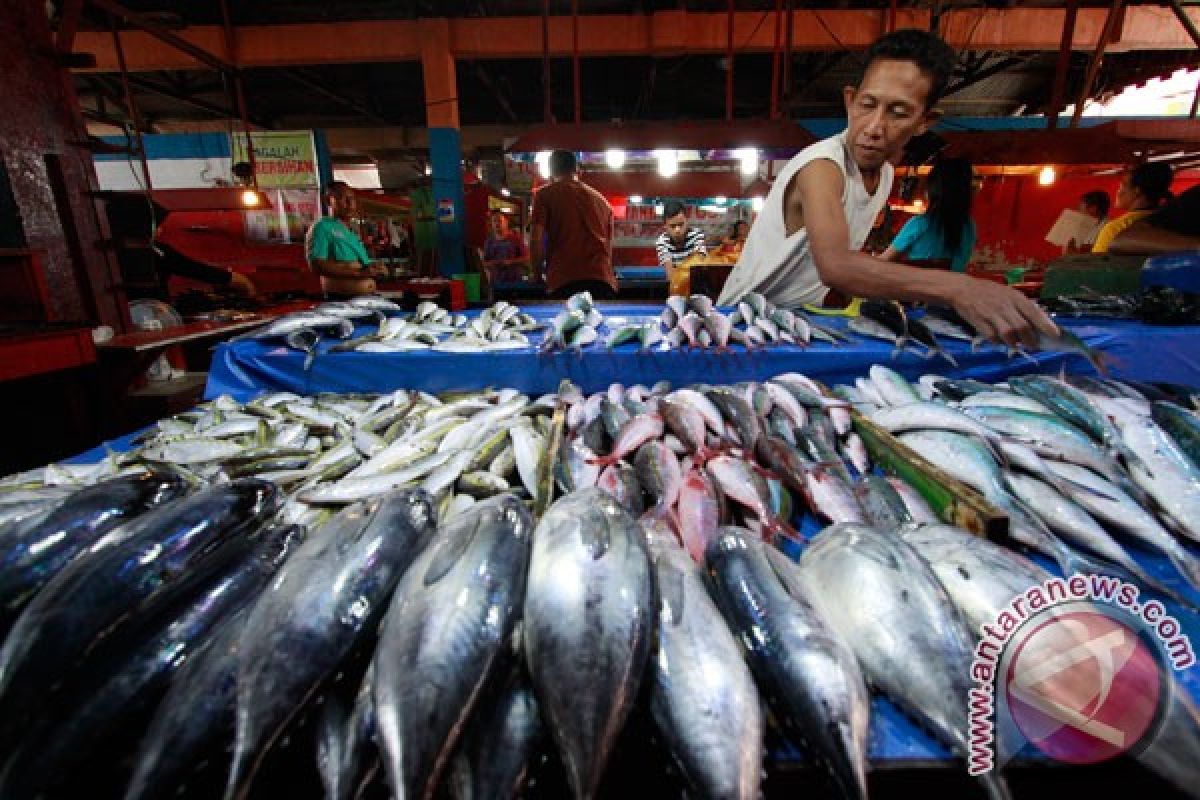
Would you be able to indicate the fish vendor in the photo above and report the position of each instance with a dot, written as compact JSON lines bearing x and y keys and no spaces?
{"x":336,"y":253}
{"x":807,"y":240}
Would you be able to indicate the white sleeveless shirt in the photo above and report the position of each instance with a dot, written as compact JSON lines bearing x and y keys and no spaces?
{"x":781,"y":267}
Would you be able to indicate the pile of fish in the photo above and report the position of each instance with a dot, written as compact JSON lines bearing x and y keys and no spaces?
{"x":1083,"y":467}
{"x":357,"y":582}
{"x":575,"y":327}
{"x":327,"y":450}
{"x":694,"y":323}
{"x":502,"y":326}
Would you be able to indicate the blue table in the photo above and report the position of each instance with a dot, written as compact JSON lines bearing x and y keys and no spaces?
{"x":246,"y":368}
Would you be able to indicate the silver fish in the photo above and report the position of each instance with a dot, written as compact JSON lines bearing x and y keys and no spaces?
{"x":702,"y":696}
{"x":501,"y":740}
{"x":449,"y":622}
{"x":861,"y":578}
{"x":589,"y":623}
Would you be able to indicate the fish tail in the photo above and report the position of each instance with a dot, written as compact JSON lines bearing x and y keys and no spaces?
{"x":785,"y":531}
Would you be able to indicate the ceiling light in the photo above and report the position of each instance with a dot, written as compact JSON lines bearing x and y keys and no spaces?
{"x":668,"y":162}
{"x":543,"y":162}
{"x":748,"y":156}
{"x":659,"y":208}
{"x":428,"y":169}
{"x":504,"y":191}
{"x":720,"y":199}
{"x":250,"y":198}
{"x":614,"y":158}
{"x":1046,"y":176}
{"x":756,"y":203}
{"x":635,"y":199}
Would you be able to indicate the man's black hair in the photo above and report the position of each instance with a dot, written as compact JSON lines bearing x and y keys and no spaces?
{"x":671,"y":209}
{"x":562,"y":162}
{"x":931,"y":55}
{"x":1098,"y":200}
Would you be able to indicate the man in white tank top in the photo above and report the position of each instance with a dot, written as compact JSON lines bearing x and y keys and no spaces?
{"x":808,"y":236}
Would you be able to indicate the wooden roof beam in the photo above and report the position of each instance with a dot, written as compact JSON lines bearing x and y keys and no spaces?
{"x":662,"y":33}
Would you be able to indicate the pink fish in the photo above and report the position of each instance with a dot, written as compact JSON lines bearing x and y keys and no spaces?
{"x":691,"y":325}
{"x":739,"y":482}
{"x":635,"y":433}
{"x":698,"y":513}
{"x":685,"y":422}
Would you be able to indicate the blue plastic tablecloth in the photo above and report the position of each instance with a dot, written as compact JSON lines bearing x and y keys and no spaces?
{"x":246,"y":368}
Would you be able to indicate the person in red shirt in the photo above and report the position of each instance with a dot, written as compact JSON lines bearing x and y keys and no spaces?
{"x":572,"y":232}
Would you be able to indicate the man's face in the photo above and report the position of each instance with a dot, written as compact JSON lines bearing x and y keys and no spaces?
{"x":344,"y":203}
{"x":886,"y":110}
{"x":676,"y":227}
{"x":1127,"y":195}
{"x":499,"y":225}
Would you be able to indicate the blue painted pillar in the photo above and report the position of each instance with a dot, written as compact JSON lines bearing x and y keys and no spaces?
{"x":445,"y":146}
{"x":445,"y":154}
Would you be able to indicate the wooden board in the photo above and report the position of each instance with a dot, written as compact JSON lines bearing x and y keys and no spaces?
{"x":953,"y":500}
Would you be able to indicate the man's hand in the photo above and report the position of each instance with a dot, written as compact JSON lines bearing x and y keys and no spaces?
{"x":377,"y":269}
{"x":240,"y":284}
{"x":1001,"y":313}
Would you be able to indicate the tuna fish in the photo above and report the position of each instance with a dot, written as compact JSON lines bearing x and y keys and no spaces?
{"x":32,"y":554}
{"x":145,"y":565}
{"x":589,"y":623}
{"x":449,"y":623}
{"x":325,"y":602}
{"x":807,"y":673}
{"x":501,"y":740}
{"x":702,"y":696}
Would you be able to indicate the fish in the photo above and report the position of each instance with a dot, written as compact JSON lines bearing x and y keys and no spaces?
{"x":649,"y":335}
{"x":698,"y":512}
{"x":528,"y":445}
{"x":946,"y":322}
{"x":589,"y":622}
{"x":144,"y":565}
{"x":861,"y":578}
{"x":882,"y":506}
{"x":1067,"y":342}
{"x":658,"y":473}
{"x":703,"y":699}
{"x":701,"y":304}
{"x":499,"y":743}
{"x":919,"y":332}
{"x":324,"y":602}
{"x":33,"y":553}
{"x":735,"y":478}
{"x":1049,"y":436}
{"x":807,"y":673}
{"x":892,"y":387}
{"x":691,"y":324}
{"x":685,"y":422}
{"x":1119,"y":511}
{"x":621,"y":482}
{"x":345,"y":740}
{"x":742,"y":419}
{"x":980,"y":577}
{"x":719,"y":327}
{"x":830,"y":496}
{"x":1162,"y":469}
{"x":375,"y":303}
{"x":445,"y":634}
{"x":625,"y":333}
{"x":279,"y":328}
{"x":1182,"y":425}
{"x":918,"y":508}
{"x":632,"y":435}
{"x":129,"y":683}
{"x":890,"y":314}
{"x":1004,"y":400}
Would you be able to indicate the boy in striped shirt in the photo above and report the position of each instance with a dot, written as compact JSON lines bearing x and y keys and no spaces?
{"x":677,"y":241}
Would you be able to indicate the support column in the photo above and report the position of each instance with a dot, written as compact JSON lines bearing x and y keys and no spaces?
{"x":445,"y":145}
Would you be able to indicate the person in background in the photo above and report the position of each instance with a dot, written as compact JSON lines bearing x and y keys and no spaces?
{"x":737,"y":236}
{"x":1095,"y":205}
{"x":678,"y":241}
{"x":945,"y":232}
{"x":570,"y":241}
{"x":1144,"y":188}
{"x":336,"y":253}
{"x":807,"y":240}
{"x":130,"y":216}
{"x":1174,"y":227}
{"x":504,"y":250}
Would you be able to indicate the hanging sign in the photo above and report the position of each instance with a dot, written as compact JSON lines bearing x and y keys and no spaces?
{"x":282,"y":159}
{"x":445,"y":210}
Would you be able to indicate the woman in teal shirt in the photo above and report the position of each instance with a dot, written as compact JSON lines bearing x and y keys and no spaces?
{"x":945,"y":232}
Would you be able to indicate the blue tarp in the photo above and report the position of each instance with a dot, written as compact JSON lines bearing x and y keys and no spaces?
{"x":245,"y":368}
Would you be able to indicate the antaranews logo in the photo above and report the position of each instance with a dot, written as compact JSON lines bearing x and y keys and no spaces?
{"x":1077,"y":668}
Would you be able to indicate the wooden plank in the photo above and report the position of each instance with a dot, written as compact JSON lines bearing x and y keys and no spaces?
{"x":549,"y":460}
{"x":147,"y":341}
{"x":953,"y":500}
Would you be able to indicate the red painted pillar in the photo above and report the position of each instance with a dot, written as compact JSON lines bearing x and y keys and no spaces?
{"x":45,"y":149}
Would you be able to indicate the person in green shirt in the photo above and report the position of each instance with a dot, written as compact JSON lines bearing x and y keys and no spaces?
{"x":336,"y":253}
